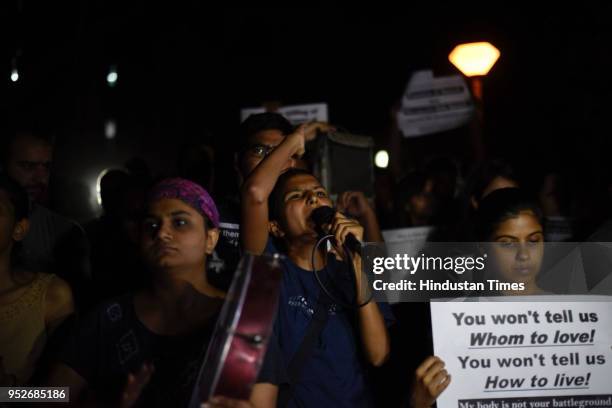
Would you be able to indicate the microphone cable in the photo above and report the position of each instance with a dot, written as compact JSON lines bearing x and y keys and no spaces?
{"x":349,"y":259}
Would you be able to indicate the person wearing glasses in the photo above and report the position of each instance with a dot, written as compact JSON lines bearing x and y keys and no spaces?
{"x":258,"y":136}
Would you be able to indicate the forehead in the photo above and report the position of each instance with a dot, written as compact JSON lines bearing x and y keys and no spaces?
{"x":29,"y":147}
{"x":270,"y":137}
{"x":524,"y":224}
{"x":301,"y":182}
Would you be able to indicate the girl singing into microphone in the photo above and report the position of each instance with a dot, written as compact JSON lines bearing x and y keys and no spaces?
{"x":329,"y":370}
{"x":280,"y":201}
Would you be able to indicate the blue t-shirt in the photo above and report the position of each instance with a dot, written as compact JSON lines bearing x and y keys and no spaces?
{"x":334,"y":375}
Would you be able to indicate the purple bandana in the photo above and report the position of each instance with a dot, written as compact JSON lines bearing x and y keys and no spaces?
{"x":188,"y":192}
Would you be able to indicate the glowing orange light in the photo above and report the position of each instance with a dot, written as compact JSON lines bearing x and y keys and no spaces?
{"x":474,"y":59}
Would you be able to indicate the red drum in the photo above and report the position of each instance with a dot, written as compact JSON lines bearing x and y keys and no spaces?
{"x":240,"y":339}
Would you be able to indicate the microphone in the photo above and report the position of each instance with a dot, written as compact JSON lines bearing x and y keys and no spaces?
{"x":325,"y":215}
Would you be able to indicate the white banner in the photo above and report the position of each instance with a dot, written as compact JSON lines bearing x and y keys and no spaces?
{"x":296,"y":114}
{"x":432,"y":105}
{"x":527,"y":353}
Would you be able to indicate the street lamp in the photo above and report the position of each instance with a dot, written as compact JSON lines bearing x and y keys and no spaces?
{"x":381,"y":159}
{"x":475,"y":60}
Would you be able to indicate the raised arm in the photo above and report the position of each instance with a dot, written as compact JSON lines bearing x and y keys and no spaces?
{"x":259,"y":184}
{"x":257,"y":188}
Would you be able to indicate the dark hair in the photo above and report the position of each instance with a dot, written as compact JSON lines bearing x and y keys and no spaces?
{"x":196,"y":163}
{"x":500,"y":206}
{"x":259,"y":122}
{"x":410,"y":185}
{"x":275,"y":200}
{"x":6,"y":146}
{"x":17,"y":196}
{"x":484,"y":174}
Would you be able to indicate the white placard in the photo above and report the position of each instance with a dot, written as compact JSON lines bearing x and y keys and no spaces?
{"x":515,"y":354}
{"x":296,"y":114}
{"x":432,"y":105}
{"x":403,"y":241}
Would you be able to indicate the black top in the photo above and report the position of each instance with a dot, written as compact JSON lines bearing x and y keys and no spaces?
{"x":112,"y":342}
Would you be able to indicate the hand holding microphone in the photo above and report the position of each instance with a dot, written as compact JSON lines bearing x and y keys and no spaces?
{"x":349,"y":233}
{"x":346,"y":231}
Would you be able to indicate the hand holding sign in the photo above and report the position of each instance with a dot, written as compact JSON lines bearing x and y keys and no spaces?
{"x":430,"y":380}
{"x":311,"y":129}
{"x":306,"y":133}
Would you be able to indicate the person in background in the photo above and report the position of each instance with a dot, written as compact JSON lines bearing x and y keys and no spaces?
{"x":258,"y":136}
{"x":554,"y":199}
{"x":487,"y":177}
{"x":415,"y":201}
{"x":444,"y":173}
{"x":196,"y":162}
{"x":115,"y":264}
{"x":354,"y":204}
{"x":54,"y":244}
{"x":32,"y":304}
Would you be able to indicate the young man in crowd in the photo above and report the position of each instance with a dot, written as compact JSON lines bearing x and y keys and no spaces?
{"x":54,"y":244}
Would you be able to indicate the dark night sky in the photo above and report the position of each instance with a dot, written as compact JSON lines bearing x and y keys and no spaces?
{"x":184,"y":72}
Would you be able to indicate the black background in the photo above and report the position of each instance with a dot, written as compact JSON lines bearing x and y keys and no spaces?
{"x":185,"y":71}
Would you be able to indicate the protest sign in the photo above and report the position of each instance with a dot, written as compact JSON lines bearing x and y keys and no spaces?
{"x":296,"y":114}
{"x":433,"y":105}
{"x":403,"y":241}
{"x":526,"y":354}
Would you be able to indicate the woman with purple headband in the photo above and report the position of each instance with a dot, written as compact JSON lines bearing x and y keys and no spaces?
{"x":145,"y":348}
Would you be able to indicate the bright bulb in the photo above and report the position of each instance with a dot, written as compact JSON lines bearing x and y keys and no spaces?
{"x":110,"y":129}
{"x":474,"y":59}
{"x":112,"y":77}
{"x":381,"y":159}
{"x":14,"y":75}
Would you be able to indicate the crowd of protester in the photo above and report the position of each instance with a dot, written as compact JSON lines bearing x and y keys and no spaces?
{"x":120,"y":308}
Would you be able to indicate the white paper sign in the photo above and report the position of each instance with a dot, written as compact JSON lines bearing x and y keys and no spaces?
{"x":432,"y":105}
{"x":406,"y":240}
{"x":403,"y":241}
{"x":504,"y":354}
{"x":296,"y":114}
